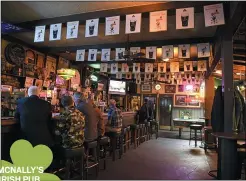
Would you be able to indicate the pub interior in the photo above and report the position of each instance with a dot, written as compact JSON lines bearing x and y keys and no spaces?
{"x":184,"y":61}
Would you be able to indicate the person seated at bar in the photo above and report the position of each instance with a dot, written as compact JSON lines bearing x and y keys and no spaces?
{"x":144,"y":112}
{"x":35,"y":116}
{"x":91,"y":118}
{"x":114,"y":117}
{"x":100,"y":124}
{"x":70,"y":125}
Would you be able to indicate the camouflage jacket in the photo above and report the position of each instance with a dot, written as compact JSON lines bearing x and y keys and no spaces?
{"x":70,"y":128}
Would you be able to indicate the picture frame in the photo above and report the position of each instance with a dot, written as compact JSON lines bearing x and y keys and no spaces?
{"x":146,"y":88}
{"x":170,"y":89}
{"x":193,"y":104}
{"x":180,"y":100}
{"x":181,"y":88}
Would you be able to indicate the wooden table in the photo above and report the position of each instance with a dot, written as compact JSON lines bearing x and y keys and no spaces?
{"x":182,"y":123}
{"x":227,"y":165}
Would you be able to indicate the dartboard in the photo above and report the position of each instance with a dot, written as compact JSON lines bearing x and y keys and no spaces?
{"x":15,"y":54}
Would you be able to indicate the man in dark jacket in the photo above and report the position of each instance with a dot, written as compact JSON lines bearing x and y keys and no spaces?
{"x":35,"y":116}
{"x":144,"y":113}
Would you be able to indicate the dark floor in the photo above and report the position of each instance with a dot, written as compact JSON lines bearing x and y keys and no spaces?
{"x":164,"y":158}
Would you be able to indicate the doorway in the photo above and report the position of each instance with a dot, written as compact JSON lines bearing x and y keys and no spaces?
{"x":165,"y":111}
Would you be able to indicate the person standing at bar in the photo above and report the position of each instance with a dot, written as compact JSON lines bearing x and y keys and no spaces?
{"x":91,"y":118}
{"x":70,"y":126}
{"x":114,"y":117}
{"x":34,"y":115}
{"x":144,"y":112}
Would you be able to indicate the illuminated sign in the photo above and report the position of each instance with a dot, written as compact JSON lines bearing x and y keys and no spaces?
{"x":94,"y":78}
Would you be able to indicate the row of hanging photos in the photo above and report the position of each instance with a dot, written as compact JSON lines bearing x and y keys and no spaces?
{"x":149,"y":67}
{"x":203,"y":50}
{"x":213,"y":15}
{"x":175,"y":78}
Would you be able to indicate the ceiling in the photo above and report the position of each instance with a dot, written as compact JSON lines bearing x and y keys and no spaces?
{"x":30,"y":11}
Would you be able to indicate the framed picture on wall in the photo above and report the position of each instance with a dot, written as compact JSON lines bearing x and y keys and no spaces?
{"x":180,"y":100}
{"x":146,"y":88}
{"x":193,"y":101}
{"x":171,"y":89}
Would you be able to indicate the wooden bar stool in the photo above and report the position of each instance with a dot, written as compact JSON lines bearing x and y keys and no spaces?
{"x":142,"y":133}
{"x":103,"y":144}
{"x":134,"y":134}
{"x":116,"y":143}
{"x":195,"y":127}
{"x":154,"y":127}
{"x":126,"y":138}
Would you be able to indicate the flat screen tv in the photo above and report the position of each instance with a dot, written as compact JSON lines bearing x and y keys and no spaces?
{"x":117,"y":87}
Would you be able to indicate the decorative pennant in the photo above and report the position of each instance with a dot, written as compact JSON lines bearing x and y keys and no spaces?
{"x":158,"y":21}
{"x":138,"y":81}
{"x":161,"y":77}
{"x":188,"y":76}
{"x":179,"y":81}
{"x":133,"y":23}
{"x":203,"y":50}
{"x":104,"y":67}
{"x":112,"y":25}
{"x":136,"y":67}
{"x":124,"y":68}
{"x":167,"y":51}
{"x":214,"y":15}
{"x":72,"y":29}
{"x":105,"y":55}
{"x":80,"y":55}
{"x":197,"y":75}
{"x":188,"y":66}
{"x":162,"y":67}
{"x":91,"y":27}
{"x":137,"y":76}
{"x":148,"y":67}
{"x":39,"y":33}
{"x":55,"y":31}
{"x":184,"y":51}
{"x":185,"y":18}
{"x":147,"y":77}
{"x":135,"y":50}
{"x":119,"y":53}
{"x":119,"y":75}
{"x":174,"y":66}
{"x":114,"y":68}
{"x":202,"y":65}
{"x":129,"y":75}
{"x":151,"y":52}
{"x":92,"y":55}
{"x":168,"y":76}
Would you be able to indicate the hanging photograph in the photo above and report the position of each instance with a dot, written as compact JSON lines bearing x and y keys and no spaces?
{"x":185,"y":18}
{"x":133,"y":23}
{"x":148,"y":67}
{"x":39,"y":33}
{"x":105,"y":55}
{"x":119,"y":53}
{"x":184,"y":51}
{"x":202,"y":65}
{"x":203,"y":50}
{"x":112,"y":26}
{"x":151,"y":52}
{"x":50,"y":64}
{"x":214,"y":15}
{"x":180,"y":88}
{"x":55,"y":31}
{"x":135,"y":50}
{"x":80,"y":55}
{"x":180,"y":100}
{"x":170,"y":89}
{"x":129,"y":75}
{"x":162,"y":67}
{"x":193,"y":101}
{"x":72,"y":29}
{"x":28,"y":82}
{"x":158,"y":21}
{"x":104,"y":67}
{"x":146,"y":88}
{"x":39,"y":83}
{"x":136,"y":67}
{"x":124,"y":68}
{"x":92,"y":55}
{"x":119,"y":75}
{"x":91,"y":27}
{"x":62,"y":63}
{"x":138,"y":81}
{"x":114,"y":68}
{"x":167,"y":51}
{"x":40,"y":61}
{"x":174,"y":66}
{"x":188,"y":66}
{"x":46,"y":83}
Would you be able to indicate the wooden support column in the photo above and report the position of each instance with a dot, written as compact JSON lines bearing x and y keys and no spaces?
{"x":228,"y":151}
{"x":209,"y":96}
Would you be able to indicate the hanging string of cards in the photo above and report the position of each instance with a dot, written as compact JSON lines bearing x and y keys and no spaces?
{"x":213,"y":15}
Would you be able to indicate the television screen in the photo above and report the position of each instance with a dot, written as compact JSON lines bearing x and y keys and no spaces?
{"x":117,"y":87}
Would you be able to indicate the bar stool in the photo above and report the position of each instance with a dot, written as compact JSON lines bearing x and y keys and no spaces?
{"x":142,"y":133}
{"x":103,"y":143}
{"x":126,"y":138}
{"x":116,"y":143}
{"x":209,"y":140}
{"x":154,"y":128}
{"x":91,"y":160}
{"x":70,"y":156}
{"x":134,"y":134}
{"x":195,"y":127}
